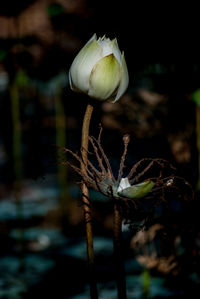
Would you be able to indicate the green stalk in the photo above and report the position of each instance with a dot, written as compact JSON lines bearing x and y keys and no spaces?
{"x":120,"y":273}
{"x":86,"y":202}
{"x":146,"y":284}
{"x":61,"y":142}
{"x":198,"y":142}
{"x":17,"y":156}
{"x":17,"y":162}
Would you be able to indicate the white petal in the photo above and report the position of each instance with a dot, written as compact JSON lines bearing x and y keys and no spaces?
{"x":124,"y":183}
{"x":106,"y":45}
{"x":110,"y":47}
{"x":105,"y":78}
{"x":124,"y":80}
{"x":116,"y":51}
{"x":83,"y":64}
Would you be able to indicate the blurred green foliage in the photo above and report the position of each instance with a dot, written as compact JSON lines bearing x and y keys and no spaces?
{"x":54,"y":9}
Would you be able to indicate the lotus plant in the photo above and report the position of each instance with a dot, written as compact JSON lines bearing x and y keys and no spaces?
{"x":99,"y":70}
{"x":150,"y":182}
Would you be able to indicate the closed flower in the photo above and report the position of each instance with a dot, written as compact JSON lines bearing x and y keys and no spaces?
{"x":100,"y":70}
{"x":135,"y":191}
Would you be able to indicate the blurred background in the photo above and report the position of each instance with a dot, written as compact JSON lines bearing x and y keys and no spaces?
{"x":42,"y":234}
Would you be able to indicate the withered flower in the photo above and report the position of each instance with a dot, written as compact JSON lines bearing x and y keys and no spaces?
{"x":151,"y":179}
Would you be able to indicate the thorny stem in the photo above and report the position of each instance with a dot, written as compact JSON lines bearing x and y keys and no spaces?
{"x":120,"y":273}
{"x":98,"y":157}
{"x":86,"y":202}
{"x":117,"y":227}
{"x":126,"y":140}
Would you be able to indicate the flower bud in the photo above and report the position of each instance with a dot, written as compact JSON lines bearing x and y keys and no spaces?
{"x":100,"y":70}
{"x":135,"y":191}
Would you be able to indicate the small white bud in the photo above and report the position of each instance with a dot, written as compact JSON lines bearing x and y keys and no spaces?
{"x":100,"y":70}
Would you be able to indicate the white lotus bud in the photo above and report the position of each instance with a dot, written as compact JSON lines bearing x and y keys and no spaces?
{"x":100,"y":70}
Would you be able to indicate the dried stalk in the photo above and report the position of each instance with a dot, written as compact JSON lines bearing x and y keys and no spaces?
{"x":86,"y":202}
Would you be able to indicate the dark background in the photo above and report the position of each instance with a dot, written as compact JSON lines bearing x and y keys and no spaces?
{"x":43,"y":222}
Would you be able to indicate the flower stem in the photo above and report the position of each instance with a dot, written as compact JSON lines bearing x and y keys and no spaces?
{"x":120,"y":273}
{"x":86,"y":202}
{"x":17,"y":165}
{"x":198,"y":143}
{"x":146,"y":284}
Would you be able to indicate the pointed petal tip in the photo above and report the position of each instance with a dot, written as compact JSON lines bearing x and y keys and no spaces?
{"x":125,"y":80}
{"x":114,"y":41}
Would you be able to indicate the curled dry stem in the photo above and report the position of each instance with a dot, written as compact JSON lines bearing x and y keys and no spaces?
{"x":101,"y":179}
